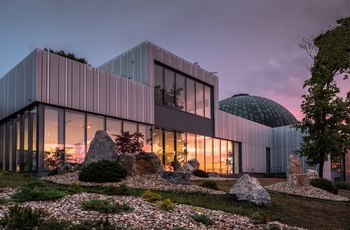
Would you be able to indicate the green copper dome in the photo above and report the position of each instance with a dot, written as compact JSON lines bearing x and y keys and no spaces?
{"x":258,"y":109}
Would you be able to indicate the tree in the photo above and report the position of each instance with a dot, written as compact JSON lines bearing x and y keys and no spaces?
{"x":326,"y":124}
{"x":68,"y":55}
{"x":129,"y":143}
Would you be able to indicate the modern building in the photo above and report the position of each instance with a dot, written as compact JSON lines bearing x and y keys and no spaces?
{"x":49,"y":102}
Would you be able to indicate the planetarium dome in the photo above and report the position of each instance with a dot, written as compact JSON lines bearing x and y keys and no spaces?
{"x":258,"y":109}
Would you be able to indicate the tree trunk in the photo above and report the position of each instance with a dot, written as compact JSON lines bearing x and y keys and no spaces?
{"x":320,"y":169}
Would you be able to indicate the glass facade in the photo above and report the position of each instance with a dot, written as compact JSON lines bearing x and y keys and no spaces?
{"x":175,"y":90}
{"x":72,"y":131}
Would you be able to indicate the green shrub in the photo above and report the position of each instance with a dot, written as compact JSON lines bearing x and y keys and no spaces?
{"x":210,"y":184}
{"x":104,"y":206}
{"x":124,"y":190}
{"x":75,"y":188}
{"x":28,"y":194}
{"x":201,"y":218}
{"x":53,"y":172}
{"x":103,"y":171}
{"x":35,"y":184}
{"x":324,"y":184}
{"x":54,"y":224}
{"x":343,"y":185}
{"x":23,"y":218}
{"x":151,"y":196}
{"x":200,"y":173}
{"x":167,"y":205}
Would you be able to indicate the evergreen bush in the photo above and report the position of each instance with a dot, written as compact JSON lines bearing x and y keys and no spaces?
{"x":201,"y":218}
{"x":151,"y":196}
{"x":167,"y":205}
{"x":104,"y":206}
{"x":210,"y":184}
{"x":103,"y":171}
{"x":325,"y":184}
{"x":343,"y":185}
{"x":200,"y":173}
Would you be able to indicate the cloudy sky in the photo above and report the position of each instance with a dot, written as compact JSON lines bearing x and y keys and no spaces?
{"x":252,"y":44}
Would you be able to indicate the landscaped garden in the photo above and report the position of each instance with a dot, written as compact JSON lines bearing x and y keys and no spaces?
{"x":119,"y":205}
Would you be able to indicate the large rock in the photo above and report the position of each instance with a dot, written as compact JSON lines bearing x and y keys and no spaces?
{"x":293,"y":166}
{"x":296,"y":180}
{"x":312,"y":174}
{"x":176,"y":177}
{"x":249,"y":188}
{"x":187,"y":168}
{"x":194,"y":163}
{"x":102,"y":147}
{"x":140,"y":163}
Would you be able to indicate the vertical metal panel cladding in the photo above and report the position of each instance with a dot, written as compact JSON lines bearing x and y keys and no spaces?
{"x":131,"y":64}
{"x":17,"y":86}
{"x":71,"y":84}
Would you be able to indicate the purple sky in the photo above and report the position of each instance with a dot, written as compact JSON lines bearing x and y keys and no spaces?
{"x":252,"y":44}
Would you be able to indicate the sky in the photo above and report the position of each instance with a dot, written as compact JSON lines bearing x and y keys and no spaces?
{"x":253,"y":45}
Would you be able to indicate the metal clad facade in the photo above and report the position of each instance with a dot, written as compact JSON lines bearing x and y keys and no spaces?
{"x":71,"y":84}
{"x":17,"y":87}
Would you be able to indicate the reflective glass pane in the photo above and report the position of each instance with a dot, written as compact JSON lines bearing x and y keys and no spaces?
{"x":34,"y":133}
{"x":169,"y":151}
{"x":235,"y":168}
{"x":157,"y":144}
{"x":191,"y":146}
{"x":169,"y":88}
{"x":51,"y":137}
{"x":158,"y":84}
{"x":180,"y":102}
{"x":18,"y":143}
{"x":207,"y":102}
{"x":230,"y":159}
{"x":208,"y":154}
{"x":2,"y":145}
{"x":94,"y":123}
{"x":224,"y":157}
{"x":75,"y":138}
{"x":190,"y":96}
{"x":26,"y":151}
{"x":216,"y":154}
{"x":180,"y":149}
{"x":113,"y":127}
{"x":10,"y":161}
{"x":199,"y":99}
{"x":130,"y":127}
{"x":146,"y":131}
{"x":200,"y":152}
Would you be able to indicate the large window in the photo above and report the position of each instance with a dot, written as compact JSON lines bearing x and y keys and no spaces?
{"x":191,"y":146}
{"x":50,"y":137}
{"x":113,"y":127}
{"x":200,"y":152}
{"x":175,"y":90}
{"x":208,"y":154}
{"x":75,"y":137}
{"x":94,"y":123}
{"x":146,"y":131}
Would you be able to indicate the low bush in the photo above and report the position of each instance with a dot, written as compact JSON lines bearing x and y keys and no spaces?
{"x":103,"y":171}
{"x":210,"y":184}
{"x":28,"y":194}
{"x":201,"y":218}
{"x":200,"y":173}
{"x":54,"y":224}
{"x":343,"y":185}
{"x":325,"y":184}
{"x":104,"y":206}
{"x":167,"y":205}
{"x":151,"y":196}
{"x":124,"y":190}
{"x":23,"y":218}
{"x":75,"y":188}
{"x":53,"y":172}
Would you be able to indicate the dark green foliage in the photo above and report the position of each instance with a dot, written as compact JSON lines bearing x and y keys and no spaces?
{"x":104,"y":206}
{"x":201,"y":218}
{"x":167,"y":205}
{"x":103,"y":171}
{"x":200,"y":173}
{"x":3,"y":201}
{"x":27,"y":194}
{"x":151,"y":196}
{"x":54,"y":224}
{"x":23,"y":218}
{"x":210,"y":184}
{"x":129,"y":143}
{"x":53,"y":172}
{"x":343,"y":185}
{"x":124,"y":190}
{"x":324,"y":184}
{"x":326,"y":124}
{"x":68,"y":55}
